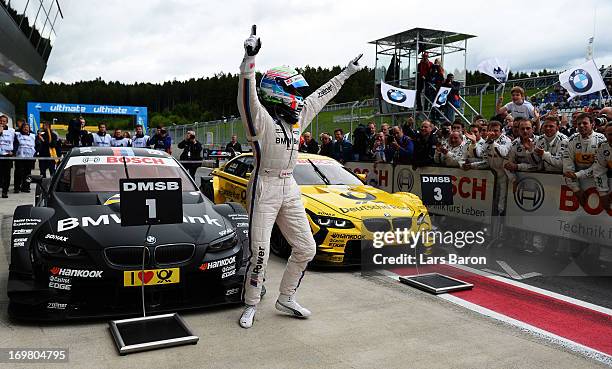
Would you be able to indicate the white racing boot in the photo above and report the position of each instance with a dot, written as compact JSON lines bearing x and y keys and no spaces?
{"x":287,"y":304}
{"x":247,"y":317}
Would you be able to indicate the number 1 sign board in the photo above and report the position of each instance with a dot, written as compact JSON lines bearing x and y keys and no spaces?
{"x":436,"y":189}
{"x":151,"y":201}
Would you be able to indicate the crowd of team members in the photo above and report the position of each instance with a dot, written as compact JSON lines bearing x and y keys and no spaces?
{"x":23,"y":147}
{"x":516,"y":139}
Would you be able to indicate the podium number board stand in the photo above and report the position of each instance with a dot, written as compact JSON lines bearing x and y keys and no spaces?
{"x":436,"y":190}
{"x":150,"y":202}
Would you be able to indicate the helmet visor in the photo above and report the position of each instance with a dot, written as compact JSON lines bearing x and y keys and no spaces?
{"x":296,"y":81}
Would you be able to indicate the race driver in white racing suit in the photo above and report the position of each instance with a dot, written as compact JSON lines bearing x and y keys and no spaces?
{"x":273,"y":127}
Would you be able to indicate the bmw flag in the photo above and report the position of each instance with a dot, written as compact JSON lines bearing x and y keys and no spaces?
{"x":498,"y":69}
{"x":441,"y":97}
{"x":397,"y":96}
{"x":582,"y":80}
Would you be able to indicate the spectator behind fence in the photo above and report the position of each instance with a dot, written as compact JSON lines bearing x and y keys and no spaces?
{"x":18,"y":124}
{"x":101,"y":138}
{"x":401,"y":149}
{"x":522,"y":156}
{"x":602,"y":169}
{"x":371,"y":134}
{"x":508,"y":124}
{"x":25,"y":147}
{"x":494,"y":154}
{"x":579,"y":157}
{"x":453,"y":99}
{"x":327,"y":146}
{"x":192,"y":151}
{"x":379,"y":147}
{"x":565,"y":127}
{"x":85,"y":138}
{"x":385,"y":129}
{"x":7,"y":139}
{"x":408,"y":128}
{"x":475,"y":144}
{"x":361,"y":148}
{"x":309,"y":145}
{"x":444,"y":133}
{"x":119,"y":140}
{"x":233,"y":146}
{"x":161,"y":140}
{"x":454,"y":154}
{"x":423,"y":71}
{"x":550,"y":145}
{"x":47,"y":145}
{"x":425,"y":144}
{"x":140,"y":139}
{"x":518,"y":107}
{"x":342,"y":149}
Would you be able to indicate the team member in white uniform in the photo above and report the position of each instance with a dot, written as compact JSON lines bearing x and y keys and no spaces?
{"x":551,"y":145}
{"x":274,"y":130}
{"x":7,"y":138}
{"x":494,"y":155}
{"x":452,"y":155}
{"x":119,"y":141}
{"x":602,"y":169}
{"x":101,"y":138}
{"x":579,"y":157}
{"x":25,"y":147}
{"x":522,"y":156}
{"x":475,"y":144}
{"x":140,"y":139}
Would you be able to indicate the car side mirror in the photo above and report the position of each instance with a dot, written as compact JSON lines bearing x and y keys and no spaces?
{"x":248,"y":175}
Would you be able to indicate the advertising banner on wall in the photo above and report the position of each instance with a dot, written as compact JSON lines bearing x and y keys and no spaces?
{"x":543,"y":203}
{"x":379,"y":175}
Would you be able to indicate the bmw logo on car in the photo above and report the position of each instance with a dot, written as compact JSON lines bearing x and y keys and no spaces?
{"x":396,"y":95}
{"x":580,"y":80}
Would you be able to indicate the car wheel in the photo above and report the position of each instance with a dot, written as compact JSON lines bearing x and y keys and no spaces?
{"x":278,"y":244}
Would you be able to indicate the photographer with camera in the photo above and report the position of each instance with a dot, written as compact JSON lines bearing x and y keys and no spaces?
{"x":161,"y":140}
{"x":192,"y":151}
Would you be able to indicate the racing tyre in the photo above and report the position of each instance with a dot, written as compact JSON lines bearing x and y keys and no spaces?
{"x":278,"y":244}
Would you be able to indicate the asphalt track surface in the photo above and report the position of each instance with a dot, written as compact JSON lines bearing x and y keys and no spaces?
{"x":358,"y":322}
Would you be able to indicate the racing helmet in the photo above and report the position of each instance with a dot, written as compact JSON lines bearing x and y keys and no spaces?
{"x":279,"y":91}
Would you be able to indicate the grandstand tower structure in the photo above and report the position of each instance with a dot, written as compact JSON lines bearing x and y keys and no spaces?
{"x":398,"y":55}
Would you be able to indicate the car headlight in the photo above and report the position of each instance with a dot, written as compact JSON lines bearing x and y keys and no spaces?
{"x":421,"y":219}
{"x":60,"y":251}
{"x":224,"y":244}
{"x":332,"y":222}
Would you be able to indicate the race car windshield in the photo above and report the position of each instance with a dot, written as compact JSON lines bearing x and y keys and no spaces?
{"x":305,"y":174}
{"x":105,"y":177}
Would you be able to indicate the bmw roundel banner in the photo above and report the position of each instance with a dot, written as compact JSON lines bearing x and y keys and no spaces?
{"x":397,"y":96}
{"x":582,"y":80}
{"x":441,"y":97}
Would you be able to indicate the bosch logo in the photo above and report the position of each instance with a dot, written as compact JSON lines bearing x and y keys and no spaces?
{"x":396,"y":96}
{"x":580,"y":80}
{"x":529,"y":195}
{"x":405,"y":180}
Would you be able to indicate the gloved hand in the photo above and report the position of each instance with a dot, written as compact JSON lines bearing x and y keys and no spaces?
{"x":253,"y":43}
{"x":353,"y":66}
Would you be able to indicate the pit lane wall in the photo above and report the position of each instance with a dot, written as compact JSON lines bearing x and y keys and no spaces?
{"x":542,"y":202}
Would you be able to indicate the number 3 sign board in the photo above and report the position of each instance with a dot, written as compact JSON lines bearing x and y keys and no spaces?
{"x":436,"y":189}
{"x":151,"y":201}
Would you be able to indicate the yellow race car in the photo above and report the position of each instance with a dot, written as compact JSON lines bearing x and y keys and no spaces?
{"x":342,"y":211}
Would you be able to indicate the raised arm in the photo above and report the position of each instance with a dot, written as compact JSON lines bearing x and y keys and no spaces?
{"x":248,"y":103}
{"x":318,"y":99}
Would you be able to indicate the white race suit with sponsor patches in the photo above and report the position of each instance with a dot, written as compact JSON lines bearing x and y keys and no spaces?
{"x":272,"y":193}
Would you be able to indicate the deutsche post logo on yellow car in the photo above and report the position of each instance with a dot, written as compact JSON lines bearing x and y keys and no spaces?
{"x":151,"y":277}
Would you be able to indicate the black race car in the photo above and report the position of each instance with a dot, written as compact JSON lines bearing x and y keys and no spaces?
{"x":71,"y":258}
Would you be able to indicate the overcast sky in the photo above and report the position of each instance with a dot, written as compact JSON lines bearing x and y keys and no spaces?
{"x":158,"y":40}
